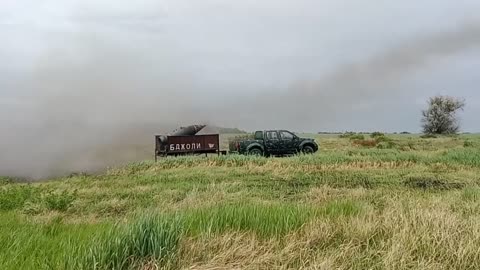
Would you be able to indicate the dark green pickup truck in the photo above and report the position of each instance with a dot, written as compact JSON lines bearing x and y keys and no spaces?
{"x":273,"y":143}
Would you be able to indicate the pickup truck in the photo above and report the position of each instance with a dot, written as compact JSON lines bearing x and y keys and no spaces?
{"x":273,"y":143}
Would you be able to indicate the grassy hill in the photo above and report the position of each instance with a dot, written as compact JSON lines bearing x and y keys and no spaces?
{"x":410,"y":203}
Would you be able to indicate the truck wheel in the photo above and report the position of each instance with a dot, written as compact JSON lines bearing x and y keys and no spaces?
{"x":307,"y":149}
{"x":255,"y":152}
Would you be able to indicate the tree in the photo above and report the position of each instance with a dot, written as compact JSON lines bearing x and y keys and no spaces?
{"x":441,"y":115}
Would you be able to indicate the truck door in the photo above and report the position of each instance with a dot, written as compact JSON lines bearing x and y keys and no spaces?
{"x":288,"y":142}
{"x":272,"y":142}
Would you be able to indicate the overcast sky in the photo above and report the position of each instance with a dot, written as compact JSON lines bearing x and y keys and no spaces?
{"x":237,"y":54}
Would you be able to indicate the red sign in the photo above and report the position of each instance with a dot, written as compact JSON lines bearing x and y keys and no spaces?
{"x":197,"y":143}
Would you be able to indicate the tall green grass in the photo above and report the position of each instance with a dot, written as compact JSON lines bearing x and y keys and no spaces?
{"x":264,"y":220}
{"x":18,"y":196}
{"x":51,"y":245}
{"x":466,"y":156}
{"x":14,"y":196}
{"x":148,"y":239}
{"x":151,"y":240}
{"x":154,"y":239}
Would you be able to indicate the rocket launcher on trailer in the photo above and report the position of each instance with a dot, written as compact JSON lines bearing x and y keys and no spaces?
{"x":185,"y":141}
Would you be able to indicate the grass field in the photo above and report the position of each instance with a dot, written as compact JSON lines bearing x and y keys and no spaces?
{"x":401,"y":203}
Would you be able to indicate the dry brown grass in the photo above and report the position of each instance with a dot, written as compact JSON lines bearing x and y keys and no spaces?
{"x":416,"y":237}
{"x":366,"y":143}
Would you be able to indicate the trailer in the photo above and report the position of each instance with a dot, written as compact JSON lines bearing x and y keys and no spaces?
{"x":185,"y":141}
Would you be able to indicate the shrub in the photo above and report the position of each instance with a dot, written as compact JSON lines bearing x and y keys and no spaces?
{"x":468,"y":143}
{"x":428,"y":136}
{"x":383,"y":142}
{"x":386,"y":145}
{"x":432,"y":183}
{"x":347,"y":135}
{"x":5,"y":180}
{"x":357,"y":137}
{"x":14,"y":197}
{"x":59,"y":201}
{"x":377,"y":134}
{"x":31,"y":208}
{"x":441,"y":115}
{"x":383,"y":138}
{"x":365,"y":143}
{"x":411,"y":145}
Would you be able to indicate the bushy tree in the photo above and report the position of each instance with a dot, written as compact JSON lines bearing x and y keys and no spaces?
{"x":441,"y":115}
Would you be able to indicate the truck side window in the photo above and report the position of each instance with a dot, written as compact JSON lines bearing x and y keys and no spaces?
{"x":272,"y":135}
{"x":287,"y":136}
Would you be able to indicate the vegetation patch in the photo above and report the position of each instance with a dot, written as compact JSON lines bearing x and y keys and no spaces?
{"x":263,"y":220}
{"x":347,"y":135}
{"x":341,"y":209}
{"x":5,"y":180}
{"x":365,"y":143}
{"x":152,"y":240}
{"x":467,"y":156}
{"x":377,"y":134}
{"x":15,"y":196}
{"x":471,"y":194}
{"x":378,"y":140}
{"x":428,"y":136}
{"x":352,"y":136}
{"x":59,"y":201}
{"x":468,"y":143}
{"x":426,"y":183}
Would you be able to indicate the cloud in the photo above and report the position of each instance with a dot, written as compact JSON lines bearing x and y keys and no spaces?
{"x":359,"y":85}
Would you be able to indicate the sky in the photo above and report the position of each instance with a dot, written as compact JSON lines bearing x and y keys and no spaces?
{"x":75,"y":74}
{"x":244,"y":48}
